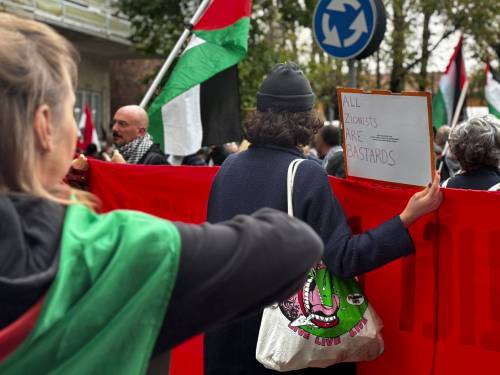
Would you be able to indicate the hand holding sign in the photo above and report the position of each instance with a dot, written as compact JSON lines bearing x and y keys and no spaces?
{"x":423,"y":202}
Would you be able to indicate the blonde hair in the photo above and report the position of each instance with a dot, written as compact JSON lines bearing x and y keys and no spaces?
{"x":35,"y":64}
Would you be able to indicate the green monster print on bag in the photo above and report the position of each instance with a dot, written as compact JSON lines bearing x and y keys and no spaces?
{"x":326,"y":306}
{"x":326,"y":322}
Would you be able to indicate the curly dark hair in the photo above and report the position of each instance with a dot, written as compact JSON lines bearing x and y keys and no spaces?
{"x":286,"y":129}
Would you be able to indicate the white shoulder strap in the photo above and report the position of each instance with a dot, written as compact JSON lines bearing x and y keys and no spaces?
{"x":445,"y":182}
{"x":495,"y":187}
{"x":292,"y":170}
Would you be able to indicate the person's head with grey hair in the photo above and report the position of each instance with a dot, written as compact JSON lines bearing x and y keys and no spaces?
{"x":476,"y":142}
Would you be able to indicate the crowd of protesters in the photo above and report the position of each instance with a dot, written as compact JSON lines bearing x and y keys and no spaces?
{"x":87,"y":293}
{"x":57,"y":252}
{"x":466,"y":156}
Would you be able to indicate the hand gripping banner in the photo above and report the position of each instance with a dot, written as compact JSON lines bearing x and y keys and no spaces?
{"x":441,"y":307}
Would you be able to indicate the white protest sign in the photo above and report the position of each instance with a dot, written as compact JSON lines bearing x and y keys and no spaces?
{"x":387,"y":137}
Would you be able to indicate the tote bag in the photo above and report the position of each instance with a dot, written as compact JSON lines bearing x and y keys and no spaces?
{"x":328,"y":321}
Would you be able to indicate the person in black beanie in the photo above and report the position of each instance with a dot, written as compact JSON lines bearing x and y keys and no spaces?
{"x":285,"y":89}
{"x":284,"y":121}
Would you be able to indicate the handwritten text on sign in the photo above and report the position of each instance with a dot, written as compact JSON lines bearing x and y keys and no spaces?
{"x":387,"y":137}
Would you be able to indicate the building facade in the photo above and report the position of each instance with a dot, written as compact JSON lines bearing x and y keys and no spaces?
{"x":99,"y":33}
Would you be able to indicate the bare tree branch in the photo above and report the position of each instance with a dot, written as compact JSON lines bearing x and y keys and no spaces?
{"x":443,"y":37}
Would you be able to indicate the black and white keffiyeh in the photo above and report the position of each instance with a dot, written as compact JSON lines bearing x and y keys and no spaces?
{"x":133,"y":151}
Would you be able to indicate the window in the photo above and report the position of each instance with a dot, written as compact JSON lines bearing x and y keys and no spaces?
{"x":94,"y":100}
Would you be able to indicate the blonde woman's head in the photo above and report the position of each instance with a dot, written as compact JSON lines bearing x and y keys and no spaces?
{"x":37,"y":129}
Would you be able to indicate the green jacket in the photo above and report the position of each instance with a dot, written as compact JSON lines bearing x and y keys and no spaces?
{"x":104,"y":310}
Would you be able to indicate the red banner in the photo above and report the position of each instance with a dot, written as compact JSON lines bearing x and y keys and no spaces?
{"x":441,"y":307}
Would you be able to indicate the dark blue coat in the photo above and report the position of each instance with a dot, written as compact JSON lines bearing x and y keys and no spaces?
{"x":482,"y":178}
{"x":257,"y":178}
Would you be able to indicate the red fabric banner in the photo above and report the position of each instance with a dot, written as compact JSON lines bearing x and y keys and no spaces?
{"x":441,"y":307}
{"x":13,"y":335}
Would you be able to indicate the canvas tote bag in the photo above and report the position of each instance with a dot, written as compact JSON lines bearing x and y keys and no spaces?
{"x":328,"y":321}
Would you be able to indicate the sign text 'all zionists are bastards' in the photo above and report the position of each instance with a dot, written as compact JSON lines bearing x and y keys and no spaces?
{"x":387,"y":137}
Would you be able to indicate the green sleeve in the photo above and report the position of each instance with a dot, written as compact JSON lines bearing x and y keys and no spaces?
{"x":104,"y":310}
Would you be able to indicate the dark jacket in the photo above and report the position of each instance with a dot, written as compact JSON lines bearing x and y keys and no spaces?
{"x":450,"y":168}
{"x":154,"y":156}
{"x":194,"y":160}
{"x":207,"y":292}
{"x":482,"y":178}
{"x":257,"y":178}
{"x":335,"y":165}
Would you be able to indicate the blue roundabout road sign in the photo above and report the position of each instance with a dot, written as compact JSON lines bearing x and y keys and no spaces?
{"x":347,"y":29}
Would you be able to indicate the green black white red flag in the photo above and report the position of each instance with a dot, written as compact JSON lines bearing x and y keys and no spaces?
{"x":219,"y":42}
{"x":492,"y":91}
{"x":82,"y":325}
{"x":87,"y":131}
{"x":451,"y":84}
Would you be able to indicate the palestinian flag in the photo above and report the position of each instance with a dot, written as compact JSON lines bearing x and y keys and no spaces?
{"x":89,"y":134}
{"x":450,"y":87}
{"x":219,"y":42}
{"x":94,"y":318}
{"x":492,"y":91}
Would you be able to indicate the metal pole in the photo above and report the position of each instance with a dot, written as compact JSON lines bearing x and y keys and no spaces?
{"x":456,"y":115}
{"x":353,"y":81}
{"x":170,"y":59}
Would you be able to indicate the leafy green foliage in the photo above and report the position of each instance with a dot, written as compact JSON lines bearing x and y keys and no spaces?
{"x":479,"y":19}
{"x":157,"y":24}
{"x":281,"y":31}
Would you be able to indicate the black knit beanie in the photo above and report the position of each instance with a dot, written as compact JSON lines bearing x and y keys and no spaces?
{"x":285,"y":89}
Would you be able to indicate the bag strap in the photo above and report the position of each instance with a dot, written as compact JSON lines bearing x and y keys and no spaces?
{"x":495,"y":187}
{"x":292,"y":170}
{"x":445,"y":182}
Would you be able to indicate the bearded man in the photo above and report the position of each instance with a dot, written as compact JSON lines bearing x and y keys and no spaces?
{"x":131,"y":137}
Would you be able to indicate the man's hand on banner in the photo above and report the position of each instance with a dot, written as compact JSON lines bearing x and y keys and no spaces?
{"x":117,"y":158}
{"x":80,"y":163}
{"x":77,"y":174}
{"x":423,"y":202}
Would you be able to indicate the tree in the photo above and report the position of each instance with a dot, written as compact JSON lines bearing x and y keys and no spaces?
{"x":157,"y":23}
{"x":411,"y":21}
{"x":274,"y":37}
{"x":409,"y":47}
{"x":398,"y":41}
{"x":270,"y":41}
{"x":281,"y":31}
{"x":479,"y":19}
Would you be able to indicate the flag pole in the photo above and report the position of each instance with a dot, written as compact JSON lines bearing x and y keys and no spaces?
{"x":454,"y":122}
{"x":170,"y":59}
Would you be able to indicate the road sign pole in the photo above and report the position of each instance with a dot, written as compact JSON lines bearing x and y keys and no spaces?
{"x":353,"y":79}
